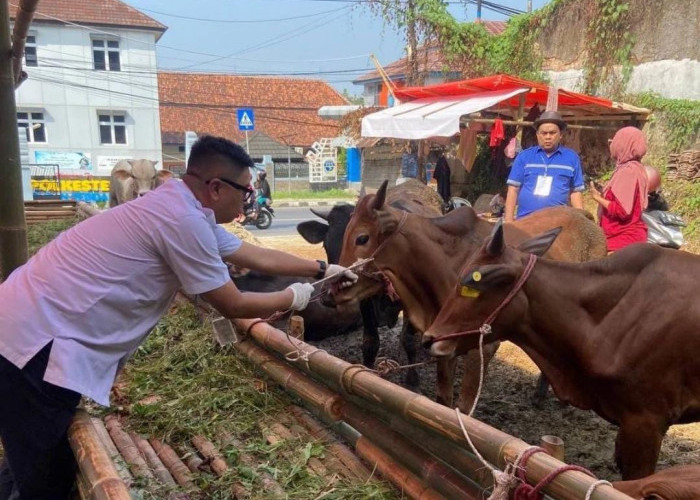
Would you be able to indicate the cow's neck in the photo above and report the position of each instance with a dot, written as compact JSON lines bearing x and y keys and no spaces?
{"x":422,"y":263}
{"x":561,"y":329}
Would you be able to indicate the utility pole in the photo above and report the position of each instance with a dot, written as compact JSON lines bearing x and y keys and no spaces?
{"x":478,"y":11}
{"x":529,"y":6}
{"x":412,"y":73}
{"x":13,"y":228}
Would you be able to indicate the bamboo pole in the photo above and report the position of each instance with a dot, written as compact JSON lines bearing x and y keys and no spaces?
{"x":421,"y":467}
{"x":192,"y":459}
{"x":177,"y":468}
{"x":554,"y":446}
{"x":496,"y":446}
{"x":127,"y":448}
{"x":108,"y":444}
{"x":13,"y":228}
{"x":99,"y":476}
{"x":209,"y":451}
{"x":159,"y":470}
{"x":296,"y":327}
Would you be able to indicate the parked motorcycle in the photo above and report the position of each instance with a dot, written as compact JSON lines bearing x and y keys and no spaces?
{"x":663,"y":227}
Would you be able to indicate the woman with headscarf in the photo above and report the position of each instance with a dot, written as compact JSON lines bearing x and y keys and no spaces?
{"x":625,"y":196}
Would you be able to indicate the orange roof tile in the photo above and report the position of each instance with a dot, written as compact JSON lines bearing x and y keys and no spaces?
{"x":430,"y":59}
{"x":93,"y":12}
{"x":286,"y":109}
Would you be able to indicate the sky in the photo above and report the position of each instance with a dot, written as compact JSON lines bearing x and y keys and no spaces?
{"x":325,"y":39}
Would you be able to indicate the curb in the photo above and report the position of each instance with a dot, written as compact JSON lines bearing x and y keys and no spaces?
{"x":310,"y":203}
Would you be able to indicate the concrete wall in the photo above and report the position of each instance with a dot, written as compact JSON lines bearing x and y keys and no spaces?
{"x":70,"y":93}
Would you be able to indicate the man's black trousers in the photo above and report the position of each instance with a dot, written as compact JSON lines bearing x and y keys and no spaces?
{"x":34,"y":419}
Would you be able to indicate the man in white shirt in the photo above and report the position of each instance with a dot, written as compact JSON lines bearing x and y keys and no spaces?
{"x":74,"y":313}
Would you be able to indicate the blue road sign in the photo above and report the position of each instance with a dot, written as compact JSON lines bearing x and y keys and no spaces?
{"x":246,"y":119}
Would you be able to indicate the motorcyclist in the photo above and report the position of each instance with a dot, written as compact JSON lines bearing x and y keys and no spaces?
{"x":264,"y":194}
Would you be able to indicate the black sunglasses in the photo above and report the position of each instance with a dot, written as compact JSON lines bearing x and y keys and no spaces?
{"x":247,"y":190}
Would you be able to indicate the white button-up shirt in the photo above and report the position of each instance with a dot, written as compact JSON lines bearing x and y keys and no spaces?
{"x":98,"y":288}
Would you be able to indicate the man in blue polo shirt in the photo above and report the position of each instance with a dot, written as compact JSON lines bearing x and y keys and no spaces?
{"x":545,"y":175}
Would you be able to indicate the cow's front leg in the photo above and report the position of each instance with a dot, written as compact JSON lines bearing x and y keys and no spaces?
{"x":370,"y":333}
{"x":470,"y":378}
{"x":408,"y":341}
{"x":444,"y":392}
{"x":637,"y":445}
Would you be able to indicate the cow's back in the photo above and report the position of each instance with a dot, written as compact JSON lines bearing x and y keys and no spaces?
{"x":580,"y":239}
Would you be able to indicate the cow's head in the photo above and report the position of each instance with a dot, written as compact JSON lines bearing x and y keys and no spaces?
{"x":370,"y":224}
{"x":484,"y":281}
{"x":329,"y":233}
{"x":144,"y":174}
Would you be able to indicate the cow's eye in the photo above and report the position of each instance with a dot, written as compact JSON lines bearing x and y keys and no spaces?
{"x":362,"y":239}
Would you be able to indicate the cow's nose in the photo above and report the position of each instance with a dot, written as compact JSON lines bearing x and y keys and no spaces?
{"x":427,"y":340}
{"x":327,"y":300}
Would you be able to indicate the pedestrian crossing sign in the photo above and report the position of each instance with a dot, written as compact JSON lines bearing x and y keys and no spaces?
{"x":246,"y":119}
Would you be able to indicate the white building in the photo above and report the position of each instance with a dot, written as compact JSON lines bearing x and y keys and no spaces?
{"x":91,"y":98}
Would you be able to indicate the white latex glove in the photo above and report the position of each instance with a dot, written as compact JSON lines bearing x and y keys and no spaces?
{"x":302,"y":293}
{"x":345,"y":277}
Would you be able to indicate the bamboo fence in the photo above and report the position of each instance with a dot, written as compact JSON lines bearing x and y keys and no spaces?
{"x":355,"y":381}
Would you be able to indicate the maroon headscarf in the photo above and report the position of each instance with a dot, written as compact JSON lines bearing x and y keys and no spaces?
{"x":627,"y":149}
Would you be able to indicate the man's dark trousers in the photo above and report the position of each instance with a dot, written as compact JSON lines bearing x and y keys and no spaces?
{"x":34,"y":419}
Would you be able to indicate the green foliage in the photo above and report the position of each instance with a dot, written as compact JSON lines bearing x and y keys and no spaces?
{"x":609,"y":44}
{"x":679,"y":117}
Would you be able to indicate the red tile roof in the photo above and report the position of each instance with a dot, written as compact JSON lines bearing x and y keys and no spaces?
{"x":430,"y":59}
{"x":93,"y":12}
{"x":286,"y":109}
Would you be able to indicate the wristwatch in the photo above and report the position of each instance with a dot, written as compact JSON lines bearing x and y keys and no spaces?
{"x":322,"y":270}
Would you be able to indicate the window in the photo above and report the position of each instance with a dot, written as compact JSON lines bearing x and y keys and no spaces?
{"x":105,"y":55}
{"x":34,"y":125}
{"x":112,"y":128}
{"x":30,"y":58}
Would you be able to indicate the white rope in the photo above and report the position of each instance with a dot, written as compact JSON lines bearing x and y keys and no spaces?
{"x":592,"y":487}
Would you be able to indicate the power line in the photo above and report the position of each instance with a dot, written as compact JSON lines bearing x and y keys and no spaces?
{"x":238,"y":21}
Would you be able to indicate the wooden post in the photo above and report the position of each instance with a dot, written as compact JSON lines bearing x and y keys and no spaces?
{"x":13,"y":229}
{"x":127,"y":448}
{"x":520,"y":116}
{"x":177,"y":468}
{"x":554,"y":445}
{"x":99,"y":476}
{"x":296,"y":327}
{"x":147,"y":451}
{"x":209,"y":451}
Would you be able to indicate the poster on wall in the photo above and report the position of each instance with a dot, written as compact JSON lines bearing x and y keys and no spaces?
{"x":70,"y":162}
{"x":105,"y":164}
{"x":71,"y":187}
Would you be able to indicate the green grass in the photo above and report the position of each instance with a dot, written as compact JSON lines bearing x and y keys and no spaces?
{"x":281,"y":194}
{"x":39,"y":235}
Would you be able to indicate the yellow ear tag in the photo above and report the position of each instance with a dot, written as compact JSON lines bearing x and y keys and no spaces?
{"x":469,"y":292}
{"x":476,"y":276}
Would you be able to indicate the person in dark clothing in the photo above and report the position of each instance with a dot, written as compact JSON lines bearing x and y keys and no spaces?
{"x":264,"y":191}
{"x":442,"y":176}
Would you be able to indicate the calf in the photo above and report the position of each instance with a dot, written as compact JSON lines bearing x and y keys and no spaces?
{"x":619,"y":336}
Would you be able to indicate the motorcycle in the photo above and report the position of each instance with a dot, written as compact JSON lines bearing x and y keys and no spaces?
{"x":259,"y":216}
{"x":663,"y":227}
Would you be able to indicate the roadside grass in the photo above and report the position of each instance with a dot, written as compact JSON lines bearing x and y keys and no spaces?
{"x":281,"y":194}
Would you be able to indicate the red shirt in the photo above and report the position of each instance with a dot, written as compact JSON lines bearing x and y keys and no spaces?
{"x":620,"y":228}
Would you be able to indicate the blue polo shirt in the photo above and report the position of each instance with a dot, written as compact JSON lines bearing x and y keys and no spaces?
{"x":564,"y":166}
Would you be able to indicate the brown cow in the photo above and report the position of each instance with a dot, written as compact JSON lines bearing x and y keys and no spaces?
{"x":423,"y":257}
{"x":619,"y":336}
{"x":676,"y":483}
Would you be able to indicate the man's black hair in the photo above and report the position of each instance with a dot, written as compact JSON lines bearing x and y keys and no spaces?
{"x":209,"y":148}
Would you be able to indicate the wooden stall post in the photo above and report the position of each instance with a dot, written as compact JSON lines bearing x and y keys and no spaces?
{"x":296,"y":327}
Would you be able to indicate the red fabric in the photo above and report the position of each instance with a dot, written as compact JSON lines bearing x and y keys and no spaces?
{"x":497,"y":133}
{"x":537,"y":95}
{"x":627,"y":148}
{"x":620,"y":227}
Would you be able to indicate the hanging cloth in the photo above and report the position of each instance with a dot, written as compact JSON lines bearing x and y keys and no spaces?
{"x":497,"y":133}
{"x":442,"y":176}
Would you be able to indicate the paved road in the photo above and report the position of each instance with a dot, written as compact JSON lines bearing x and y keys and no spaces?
{"x":285,"y":221}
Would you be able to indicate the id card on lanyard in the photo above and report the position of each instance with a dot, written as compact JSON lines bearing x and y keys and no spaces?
{"x":543,"y":187}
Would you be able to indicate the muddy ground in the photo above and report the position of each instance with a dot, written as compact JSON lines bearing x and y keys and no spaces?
{"x":506,"y":398}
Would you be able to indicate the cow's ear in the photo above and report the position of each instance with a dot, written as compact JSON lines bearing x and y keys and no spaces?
{"x":496,"y":243}
{"x":324,"y":214}
{"x":312,"y":231}
{"x":541,"y":243}
{"x":131,"y":162}
{"x":154,"y":162}
{"x":386,"y":221}
{"x":380,"y":197}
